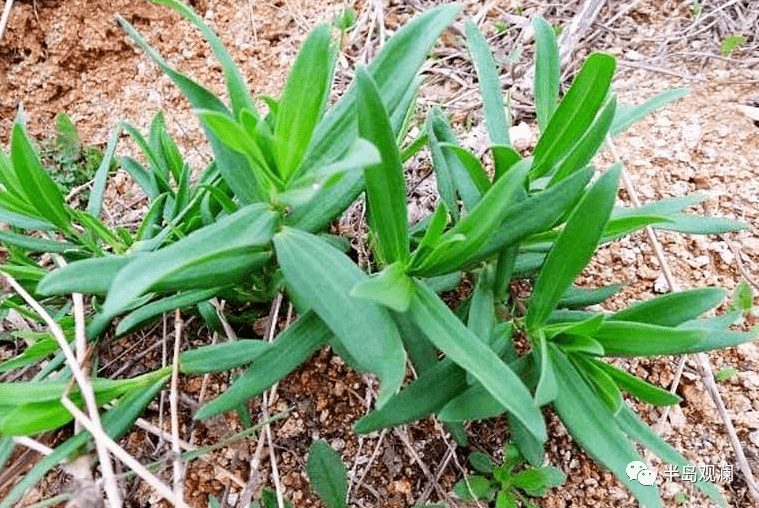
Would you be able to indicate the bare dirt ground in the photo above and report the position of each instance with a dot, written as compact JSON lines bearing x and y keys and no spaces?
{"x":71,"y":56}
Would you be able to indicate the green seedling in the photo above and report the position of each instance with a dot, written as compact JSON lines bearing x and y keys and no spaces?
{"x":510,"y":484}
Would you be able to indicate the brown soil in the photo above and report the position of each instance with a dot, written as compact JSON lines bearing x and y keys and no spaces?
{"x":71,"y":56}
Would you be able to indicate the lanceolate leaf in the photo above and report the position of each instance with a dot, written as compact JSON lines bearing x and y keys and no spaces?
{"x":34,"y":244}
{"x":627,"y":114}
{"x":489,"y":83}
{"x":324,"y":277}
{"x":536,"y":213}
{"x":427,"y":394}
{"x":574,"y":247}
{"x":385,"y":184}
{"x":233,"y":166}
{"x":575,"y":113}
{"x":641,"y":433}
{"x":293,"y":347}
{"x":438,"y":132}
{"x":546,"y":390}
{"x":327,"y":475}
{"x":208,"y":257}
{"x":39,"y":188}
{"x":101,"y":175}
{"x":93,"y":275}
{"x":623,"y":338}
{"x":393,"y":70}
{"x":578,"y":297}
{"x":547,"y":71}
{"x":391,"y":288}
{"x":303,"y":100}
{"x":115,"y":423}
{"x":637,"y":387}
{"x":238,"y":90}
{"x":591,"y":425}
{"x":672,"y":309}
{"x":442,"y":327}
{"x":477,"y":226}
{"x":223,"y":356}
{"x":147,"y":312}
{"x":585,"y":148}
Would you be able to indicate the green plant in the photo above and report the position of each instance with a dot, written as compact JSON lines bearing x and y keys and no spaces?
{"x":731,"y":43}
{"x":507,"y":485}
{"x":724,"y":374}
{"x":255,"y":225}
{"x":695,"y":9}
{"x":69,"y":162}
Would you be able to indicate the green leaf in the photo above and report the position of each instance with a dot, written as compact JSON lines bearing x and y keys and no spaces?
{"x":232,"y":165}
{"x":391,"y":288}
{"x":743,"y":297}
{"x":38,"y":350}
{"x":482,"y":462}
{"x":442,"y":327}
{"x":580,"y":344}
{"x":145,"y":313}
{"x":536,"y":482}
{"x":438,"y":131}
{"x":591,"y":425}
{"x":504,"y":499}
{"x":627,"y":115}
{"x":731,"y":42}
{"x":477,"y":227}
{"x":601,"y":382}
{"x":641,"y":433}
{"x":87,"y":276}
{"x":574,"y":247}
{"x":115,"y":423}
{"x":209,"y":257}
{"x":536,"y":213}
{"x":718,"y":335}
{"x":393,"y":70}
{"x":672,"y":309}
{"x":623,"y":338}
{"x":303,"y":100}
{"x":222,"y":357}
{"x":39,"y":188}
{"x":33,"y":244}
{"x":473,"y":487}
{"x":477,"y":175}
{"x":236,"y":86}
{"x":291,"y":348}
{"x":578,"y":297}
{"x":327,"y":474}
{"x":575,"y":113}
{"x":546,"y":390}
{"x":427,"y":394}
{"x":236,"y":138}
{"x":504,"y":158}
{"x":489,"y":84}
{"x":385,"y":183}
{"x":101,"y":175}
{"x":324,"y":277}
{"x":637,"y":387}
{"x":586,"y":147}
{"x":481,"y":320}
{"x":547,"y":72}
{"x":696,"y":225}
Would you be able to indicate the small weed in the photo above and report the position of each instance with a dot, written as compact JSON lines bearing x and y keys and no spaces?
{"x":695,"y":10}
{"x":503,"y":484}
{"x":724,"y":374}
{"x":730,"y":43}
